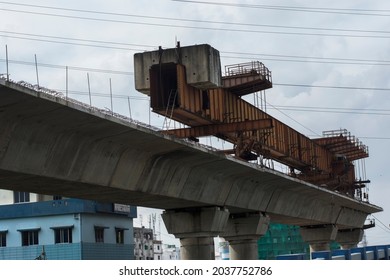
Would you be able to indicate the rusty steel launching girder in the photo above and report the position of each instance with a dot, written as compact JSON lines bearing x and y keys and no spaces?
{"x":212,"y":104}
{"x":220,"y":129}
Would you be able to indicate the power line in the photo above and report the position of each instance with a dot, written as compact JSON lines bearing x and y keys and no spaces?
{"x":374,"y":138}
{"x":123,"y":96}
{"x":377,"y":112}
{"x":140,"y":50}
{"x":117,"y":45}
{"x":316,"y":109}
{"x":130,"y":73}
{"x":195,"y":20}
{"x":311,"y":61}
{"x":78,"y":39}
{"x":197,"y":27}
{"x":140,"y":98}
{"x":126,"y":96}
{"x":68,"y":43}
{"x":208,"y":2}
{"x":331,"y":87}
{"x":360,"y":12}
{"x":386,"y":226}
{"x":76,"y":68}
{"x":335,"y":108}
{"x":293,"y":119}
{"x":306,"y":57}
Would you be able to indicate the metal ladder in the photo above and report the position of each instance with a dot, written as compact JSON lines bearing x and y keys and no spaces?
{"x":169,"y":110}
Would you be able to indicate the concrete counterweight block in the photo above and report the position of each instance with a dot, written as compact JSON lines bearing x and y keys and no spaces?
{"x":196,"y":229}
{"x":319,"y":236}
{"x":202,"y":63}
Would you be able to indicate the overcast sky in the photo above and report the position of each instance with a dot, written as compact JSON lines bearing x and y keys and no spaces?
{"x":330,"y":60}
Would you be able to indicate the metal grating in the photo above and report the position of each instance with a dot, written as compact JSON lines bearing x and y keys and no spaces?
{"x":246,"y":78}
{"x":253,"y":67}
{"x":342,"y":142}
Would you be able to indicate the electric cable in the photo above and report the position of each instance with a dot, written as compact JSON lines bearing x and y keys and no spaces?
{"x":193,"y":20}
{"x":387,"y":227}
{"x":302,"y":59}
{"x":360,"y":12}
{"x":195,"y":27}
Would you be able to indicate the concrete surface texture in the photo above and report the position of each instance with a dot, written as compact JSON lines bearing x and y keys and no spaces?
{"x":53,"y":146}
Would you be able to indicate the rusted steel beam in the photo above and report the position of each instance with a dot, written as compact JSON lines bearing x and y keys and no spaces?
{"x":215,"y":129}
{"x":227,"y":152}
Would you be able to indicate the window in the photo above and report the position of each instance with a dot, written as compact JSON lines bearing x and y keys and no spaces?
{"x":3,"y":239}
{"x":20,"y":197}
{"x":63,"y":235}
{"x":120,"y":233}
{"x":99,"y":234}
{"x":57,"y":197}
{"x":30,"y":237}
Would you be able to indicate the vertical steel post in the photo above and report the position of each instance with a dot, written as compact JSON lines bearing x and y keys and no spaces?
{"x":112,"y":106}
{"x":67,"y":81}
{"x":89,"y":91}
{"x":128,"y":102}
{"x":36,"y":69}
{"x":150,"y":106}
{"x":6,"y":61}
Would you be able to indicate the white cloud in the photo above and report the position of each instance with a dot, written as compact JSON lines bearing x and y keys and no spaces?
{"x":152,"y":35}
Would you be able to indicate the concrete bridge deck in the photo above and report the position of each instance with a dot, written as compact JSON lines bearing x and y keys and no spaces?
{"x":53,"y":146}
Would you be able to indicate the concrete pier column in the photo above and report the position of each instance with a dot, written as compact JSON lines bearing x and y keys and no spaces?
{"x":197,"y":248}
{"x":319,"y":236}
{"x":243,"y":232}
{"x":349,"y":238}
{"x":196,"y":228}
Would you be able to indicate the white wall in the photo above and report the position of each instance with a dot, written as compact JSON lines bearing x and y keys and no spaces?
{"x":6,"y":197}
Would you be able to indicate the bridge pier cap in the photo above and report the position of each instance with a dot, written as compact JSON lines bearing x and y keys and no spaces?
{"x":349,"y":238}
{"x":196,"y":229}
{"x":242,"y":233}
{"x":319,"y":236}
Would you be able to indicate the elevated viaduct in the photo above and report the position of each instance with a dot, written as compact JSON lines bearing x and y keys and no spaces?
{"x":52,"y":145}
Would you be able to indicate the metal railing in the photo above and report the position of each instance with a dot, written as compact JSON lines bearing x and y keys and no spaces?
{"x":253,"y":67}
{"x":346,"y":134}
{"x":56,"y":94}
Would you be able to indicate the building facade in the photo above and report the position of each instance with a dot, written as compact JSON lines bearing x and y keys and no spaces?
{"x":157,"y":250}
{"x":143,"y":243}
{"x":170,"y":252}
{"x":147,"y":247}
{"x":46,"y":227}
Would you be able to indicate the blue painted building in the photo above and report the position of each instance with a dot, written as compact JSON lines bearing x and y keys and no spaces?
{"x":65,"y":229}
{"x":378,"y":252}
